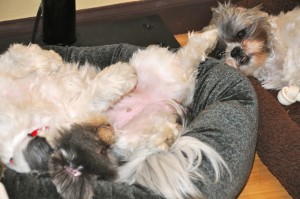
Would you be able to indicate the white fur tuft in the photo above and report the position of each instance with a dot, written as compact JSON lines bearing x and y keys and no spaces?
{"x":172,"y":173}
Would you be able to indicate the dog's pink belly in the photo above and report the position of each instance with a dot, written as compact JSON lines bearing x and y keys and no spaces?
{"x":128,"y":108}
{"x":142,"y":123}
{"x":133,"y":108}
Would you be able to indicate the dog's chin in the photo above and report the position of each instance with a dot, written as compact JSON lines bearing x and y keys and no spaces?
{"x":240,"y":62}
{"x":245,"y":60}
{"x":246,"y":64}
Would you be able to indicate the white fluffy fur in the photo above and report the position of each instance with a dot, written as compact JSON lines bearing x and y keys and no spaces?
{"x":142,"y":100}
{"x":39,"y":90}
{"x":281,"y":67}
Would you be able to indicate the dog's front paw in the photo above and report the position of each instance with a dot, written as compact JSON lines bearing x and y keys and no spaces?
{"x":111,"y":84}
{"x":124,"y":76}
{"x":198,"y":47}
{"x":163,"y":137}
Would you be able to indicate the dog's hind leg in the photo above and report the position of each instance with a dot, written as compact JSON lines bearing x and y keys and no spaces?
{"x":20,"y":60}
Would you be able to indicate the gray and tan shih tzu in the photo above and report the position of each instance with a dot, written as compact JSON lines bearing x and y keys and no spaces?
{"x":261,"y":45}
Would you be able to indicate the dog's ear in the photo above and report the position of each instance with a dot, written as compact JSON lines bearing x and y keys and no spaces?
{"x":106,"y":133}
{"x":102,"y":129}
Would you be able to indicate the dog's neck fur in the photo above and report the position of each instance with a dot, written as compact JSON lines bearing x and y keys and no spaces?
{"x":270,"y":78}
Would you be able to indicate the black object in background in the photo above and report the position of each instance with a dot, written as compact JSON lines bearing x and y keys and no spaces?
{"x":142,"y":31}
{"x":59,"y":22}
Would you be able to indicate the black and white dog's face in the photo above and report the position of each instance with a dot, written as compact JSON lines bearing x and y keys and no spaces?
{"x":243,"y":37}
{"x":81,"y":155}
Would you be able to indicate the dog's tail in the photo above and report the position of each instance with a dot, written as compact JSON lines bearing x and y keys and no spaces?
{"x":172,"y":173}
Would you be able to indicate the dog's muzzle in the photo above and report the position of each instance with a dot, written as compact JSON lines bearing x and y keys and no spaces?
{"x":238,"y":54}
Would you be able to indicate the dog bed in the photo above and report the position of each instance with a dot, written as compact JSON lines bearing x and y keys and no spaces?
{"x":224,"y":114}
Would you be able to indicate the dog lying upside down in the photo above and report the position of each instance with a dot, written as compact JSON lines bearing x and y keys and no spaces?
{"x":143,"y":100}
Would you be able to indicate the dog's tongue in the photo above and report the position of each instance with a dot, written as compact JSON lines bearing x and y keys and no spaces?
{"x":244,"y":59}
{"x":11,"y":161}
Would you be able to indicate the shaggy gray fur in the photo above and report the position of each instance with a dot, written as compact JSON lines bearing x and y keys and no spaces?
{"x":224,"y":115}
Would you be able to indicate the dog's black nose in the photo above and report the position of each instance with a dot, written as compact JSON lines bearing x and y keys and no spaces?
{"x":236,"y":52}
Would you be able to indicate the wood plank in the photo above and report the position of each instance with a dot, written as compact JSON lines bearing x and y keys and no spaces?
{"x":262,"y":184}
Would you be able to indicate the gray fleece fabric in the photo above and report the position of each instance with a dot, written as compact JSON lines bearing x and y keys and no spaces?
{"x":224,"y":114}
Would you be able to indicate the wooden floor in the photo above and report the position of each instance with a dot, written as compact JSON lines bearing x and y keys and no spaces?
{"x":261,"y":183}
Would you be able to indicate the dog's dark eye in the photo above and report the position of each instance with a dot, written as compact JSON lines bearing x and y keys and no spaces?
{"x":220,"y":54}
{"x":241,"y":34}
{"x":102,"y":150}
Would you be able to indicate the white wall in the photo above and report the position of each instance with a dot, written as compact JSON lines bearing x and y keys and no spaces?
{"x":16,"y":9}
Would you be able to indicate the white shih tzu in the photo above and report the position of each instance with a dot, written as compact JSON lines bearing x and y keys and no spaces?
{"x":41,"y":96}
{"x":263,"y":46}
{"x":143,"y":100}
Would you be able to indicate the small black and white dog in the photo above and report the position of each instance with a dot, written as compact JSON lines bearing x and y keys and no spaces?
{"x":80,"y":156}
{"x":263,"y":46}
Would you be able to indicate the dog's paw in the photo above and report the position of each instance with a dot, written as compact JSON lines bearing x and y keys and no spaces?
{"x":204,"y":42}
{"x":163,"y":138}
{"x":123,"y":75}
{"x":196,"y":50}
{"x":166,"y":140}
{"x":111,"y":84}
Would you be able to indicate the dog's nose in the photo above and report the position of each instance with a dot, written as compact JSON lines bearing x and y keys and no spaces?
{"x":236,"y":52}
